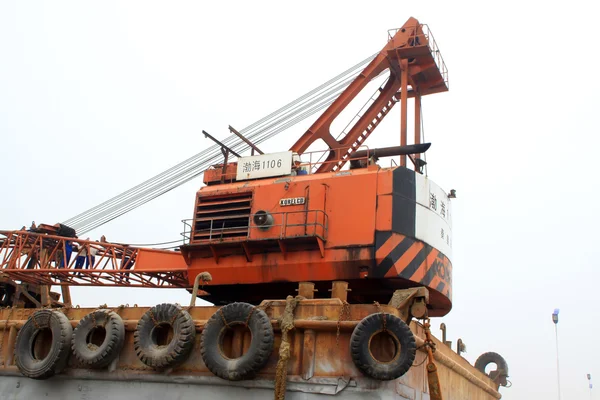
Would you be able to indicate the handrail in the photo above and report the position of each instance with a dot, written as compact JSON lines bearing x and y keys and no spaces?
{"x":311,"y":166}
{"x":315,"y":225}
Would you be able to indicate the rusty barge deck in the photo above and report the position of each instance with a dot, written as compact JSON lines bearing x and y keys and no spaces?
{"x":319,"y":365}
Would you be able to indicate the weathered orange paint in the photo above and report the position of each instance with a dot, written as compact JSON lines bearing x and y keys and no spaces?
{"x":354,"y":213}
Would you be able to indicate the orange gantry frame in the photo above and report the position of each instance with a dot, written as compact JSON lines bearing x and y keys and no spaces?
{"x":416,"y":69}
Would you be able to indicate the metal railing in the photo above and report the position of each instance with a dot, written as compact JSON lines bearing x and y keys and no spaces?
{"x":315,"y":160}
{"x":417,"y":39}
{"x":285,"y":225}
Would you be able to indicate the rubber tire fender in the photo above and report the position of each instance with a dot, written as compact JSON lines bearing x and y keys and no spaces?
{"x":179,"y":347}
{"x":90,"y":355}
{"x":488,"y":358}
{"x":399,"y":332}
{"x":261,"y":345}
{"x":58,"y":355}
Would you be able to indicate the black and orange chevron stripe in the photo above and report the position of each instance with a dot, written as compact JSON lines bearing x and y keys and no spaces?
{"x":400,"y":256}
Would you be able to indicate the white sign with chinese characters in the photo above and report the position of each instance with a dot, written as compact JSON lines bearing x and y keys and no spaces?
{"x":433,"y":215}
{"x":264,"y":165}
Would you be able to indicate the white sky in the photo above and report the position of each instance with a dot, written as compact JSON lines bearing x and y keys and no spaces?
{"x":97,"y":97}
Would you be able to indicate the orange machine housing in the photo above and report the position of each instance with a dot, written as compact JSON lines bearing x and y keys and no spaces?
{"x":355,"y":225}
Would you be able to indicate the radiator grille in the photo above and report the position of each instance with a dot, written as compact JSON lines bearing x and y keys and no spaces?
{"x":222,"y":217}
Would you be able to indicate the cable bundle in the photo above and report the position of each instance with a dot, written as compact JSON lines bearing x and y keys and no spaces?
{"x":261,"y":130}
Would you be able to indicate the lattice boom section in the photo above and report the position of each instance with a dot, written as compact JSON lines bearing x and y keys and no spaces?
{"x":54,"y":260}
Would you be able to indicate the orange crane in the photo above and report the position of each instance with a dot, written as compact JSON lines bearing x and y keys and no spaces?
{"x":266,"y":222}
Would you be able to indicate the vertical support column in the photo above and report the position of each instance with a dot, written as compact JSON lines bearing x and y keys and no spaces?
{"x":66,"y":295}
{"x":417,"y":118}
{"x":44,"y":263}
{"x":45,"y":295}
{"x":339,"y":290}
{"x":306,"y":290}
{"x":416,"y":157}
{"x":403,"y":106}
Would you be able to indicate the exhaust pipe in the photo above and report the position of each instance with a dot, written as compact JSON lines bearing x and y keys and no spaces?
{"x":392,"y":151}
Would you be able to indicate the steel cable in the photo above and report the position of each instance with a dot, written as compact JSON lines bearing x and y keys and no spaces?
{"x":197,"y":169}
{"x":259,"y":131}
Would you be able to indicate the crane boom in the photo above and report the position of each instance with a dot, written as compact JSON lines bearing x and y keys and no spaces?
{"x":53,"y":260}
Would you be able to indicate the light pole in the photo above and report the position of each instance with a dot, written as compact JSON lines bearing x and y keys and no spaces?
{"x":555,"y":320}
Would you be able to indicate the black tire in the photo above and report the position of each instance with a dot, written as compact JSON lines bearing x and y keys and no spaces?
{"x":98,"y":338}
{"x":488,"y":358}
{"x":150,"y":342}
{"x":45,"y":328}
{"x":398,"y":331}
{"x":261,"y":346}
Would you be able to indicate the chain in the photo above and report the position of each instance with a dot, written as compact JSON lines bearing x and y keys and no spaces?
{"x":35,"y":322}
{"x":152,"y":318}
{"x":249,"y":316}
{"x":344,"y":313}
{"x":175,"y":317}
{"x":223,"y":318}
{"x":429,"y":343}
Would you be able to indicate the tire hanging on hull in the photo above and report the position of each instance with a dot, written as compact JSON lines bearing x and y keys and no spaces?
{"x":98,"y":338}
{"x":261,"y":346}
{"x":151,"y":338}
{"x":403,"y":340}
{"x":33,"y":356}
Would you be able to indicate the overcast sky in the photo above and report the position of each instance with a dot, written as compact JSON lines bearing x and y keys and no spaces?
{"x":97,"y":97}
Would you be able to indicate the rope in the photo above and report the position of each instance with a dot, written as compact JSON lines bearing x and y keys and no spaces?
{"x":383,"y":316}
{"x":286,"y":324}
